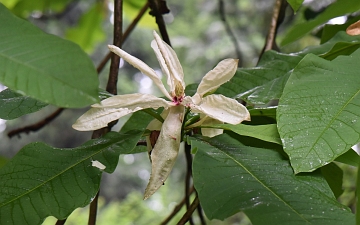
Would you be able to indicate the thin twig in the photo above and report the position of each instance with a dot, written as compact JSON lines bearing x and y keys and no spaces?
{"x":277,"y":18}
{"x":159,"y":20}
{"x":177,"y":208}
{"x":189,"y":212}
{"x":37,"y":126}
{"x":111,"y":87}
{"x":201,"y":213}
{"x":60,"y":222}
{"x":188,"y":178}
{"x":230,"y":32}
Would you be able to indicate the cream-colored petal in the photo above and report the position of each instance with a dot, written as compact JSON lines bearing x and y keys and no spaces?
{"x":166,"y":149}
{"x":210,"y":132}
{"x":155,"y":125}
{"x":143,"y":67}
{"x":132,"y":101}
{"x":221,"y":108}
{"x":221,"y":74}
{"x":99,"y":116}
{"x":170,"y":64}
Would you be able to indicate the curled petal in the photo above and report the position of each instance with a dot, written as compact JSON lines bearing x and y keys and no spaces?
{"x":221,"y":108}
{"x":210,"y":132}
{"x":221,"y":74}
{"x":170,"y":65}
{"x":132,"y":101}
{"x":107,"y":111}
{"x":140,"y":65}
{"x":166,"y":149}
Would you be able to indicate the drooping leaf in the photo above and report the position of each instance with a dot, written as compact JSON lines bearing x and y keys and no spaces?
{"x":261,"y":84}
{"x":266,"y":132}
{"x":44,"y":66}
{"x":350,"y":158}
{"x":261,"y":183}
{"x":318,"y":113}
{"x":14,"y":105}
{"x":89,"y":30}
{"x":334,"y":177}
{"x":338,"y":8}
{"x":41,"y":180}
{"x":295,"y":4}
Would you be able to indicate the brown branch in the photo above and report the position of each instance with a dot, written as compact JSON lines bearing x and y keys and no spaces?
{"x":111,"y":87}
{"x":155,"y":11}
{"x":177,"y":208}
{"x":60,"y":222}
{"x":189,"y":212}
{"x":188,"y":178}
{"x":201,"y":214}
{"x":37,"y":126}
{"x":230,"y":32}
{"x":277,"y":18}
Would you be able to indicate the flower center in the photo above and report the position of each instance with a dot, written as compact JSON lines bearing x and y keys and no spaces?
{"x":177,"y":100}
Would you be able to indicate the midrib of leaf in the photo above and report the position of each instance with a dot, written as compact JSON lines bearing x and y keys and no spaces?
{"x":239,"y":163}
{"x":329,"y":124}
{"x":51,"y":178}
{"x":40,"y":71}
{"x":325,"y":55}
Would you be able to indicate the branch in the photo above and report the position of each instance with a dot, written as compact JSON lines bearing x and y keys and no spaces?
{"x":276,"y":19}
{"x":155,"y":11}
{"x":93,"y":210}
{"x":189,"y":212}
{"x":60,"y":222}
{"x":188,"y":178}
{"x":37,"y":126}
{"x":230,"y":32}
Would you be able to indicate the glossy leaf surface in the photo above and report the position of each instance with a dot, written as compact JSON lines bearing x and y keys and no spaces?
{"x":261,"y":183}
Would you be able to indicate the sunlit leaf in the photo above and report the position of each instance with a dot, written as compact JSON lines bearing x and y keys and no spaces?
{"x":230,"y":177}
{"x":14,"y":105}
{"x":41,"y":180}
{"x":44,"y":66}
{"x":338,"y":8}
{"x":318,"y":113}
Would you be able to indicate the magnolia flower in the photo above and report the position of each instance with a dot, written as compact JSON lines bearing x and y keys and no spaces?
{"x":214,"y":107}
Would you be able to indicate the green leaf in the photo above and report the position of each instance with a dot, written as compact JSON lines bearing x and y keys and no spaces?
{"x":230,"y":177}
{"x":350,"y":158}
{"x":89,"y":30}
{"x":318,"y":113}
{"x":14,"y":105}
{"x":338,"y":8}
{"x":334,"y":177}
{"x":44,"y":66}
{"x":295,"y":4}
{"x":266,"y":132}
{"x":41,"y":180}
{"x":24,"y":8}
{"x":261,"y":84}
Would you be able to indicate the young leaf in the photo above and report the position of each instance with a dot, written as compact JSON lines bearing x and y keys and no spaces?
{"x":266,"y":132}
{"x":318,"y":113}
{"x":295,"y":4}
{"x":338,"y":8}
{"x":44,"y":66}
{"x":14,"y":105}
{"x":41,"y":180}
{"x":230,"y":177}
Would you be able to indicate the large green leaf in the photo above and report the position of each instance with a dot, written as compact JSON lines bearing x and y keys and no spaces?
{"x":44,"y":66}
{"x":261,"y":84}
{"x":14,"y":105}
{"x":338,"y":8}
{"x":230,"y":177}
{"x":41,"y":180}
{"x":319,"y":112}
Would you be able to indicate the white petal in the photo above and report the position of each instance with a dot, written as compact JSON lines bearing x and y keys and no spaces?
{"x":169,"y":63}
{"x":166,"y":150}
{"x":210,"y":132}
{"x":145,"y":69}
{"x":221,"y":74}
{"x":97,"y":118}
{"x":132,"y":101}
{"x":100,"y":115}
{"x":224,"y":109}
{"x":98,"y":165}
